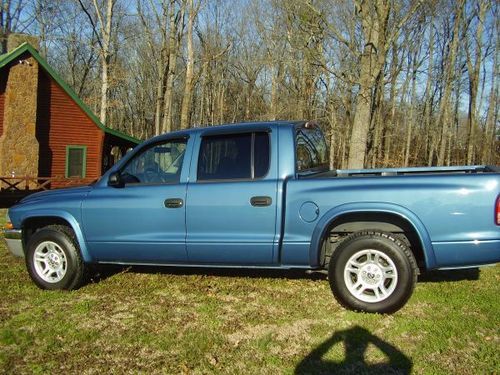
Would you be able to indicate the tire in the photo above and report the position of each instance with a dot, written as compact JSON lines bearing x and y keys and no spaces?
{"x":372,"y":271}
{"x":53,"y":259}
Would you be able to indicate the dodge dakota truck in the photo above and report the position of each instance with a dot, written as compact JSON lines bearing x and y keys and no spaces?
{"x":261,"y":195}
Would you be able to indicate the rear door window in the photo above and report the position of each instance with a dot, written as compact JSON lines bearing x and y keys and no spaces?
{"x":234,"y":157}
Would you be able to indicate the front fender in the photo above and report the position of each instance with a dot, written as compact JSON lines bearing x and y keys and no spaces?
{"x":66,"y":216}
{"x":372,"y":207}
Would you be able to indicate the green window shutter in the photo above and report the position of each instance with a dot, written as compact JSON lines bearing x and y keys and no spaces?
{"x":76,"y":161}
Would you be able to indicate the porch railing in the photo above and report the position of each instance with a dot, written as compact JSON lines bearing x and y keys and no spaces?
{"x":27,"y":183}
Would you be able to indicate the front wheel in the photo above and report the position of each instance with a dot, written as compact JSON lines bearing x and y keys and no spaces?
{"x":372,"y":271}
{"x":53,"y":258}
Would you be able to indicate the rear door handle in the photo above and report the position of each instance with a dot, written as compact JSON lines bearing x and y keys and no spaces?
{"x":174,"y":203}
{"x":261,"y":201}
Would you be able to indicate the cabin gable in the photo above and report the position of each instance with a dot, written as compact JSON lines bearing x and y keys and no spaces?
{"x":62,"y":123}
{"x":49,"y":138}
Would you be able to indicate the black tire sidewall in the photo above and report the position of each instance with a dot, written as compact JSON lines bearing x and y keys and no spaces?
{"x":391,"y":247}
{"x":69,"y":249}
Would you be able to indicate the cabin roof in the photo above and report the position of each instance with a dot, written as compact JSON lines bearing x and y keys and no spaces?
{"x":26,"y":47}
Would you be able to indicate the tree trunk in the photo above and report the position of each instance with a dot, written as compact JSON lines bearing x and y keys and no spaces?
{"x":248,"y":99}
{"x":172,"y":65}
{"x":429,"y":97}
{"x":105,"y":45}
{"x":159,"y":102}
{"x":359,"y":134}
{"x":371,"y":63}
{"x":411,"y":115}
{"x":453,"y":134}
{"x":444,"y":112}
{"x":473,"y":72}
{"x":275,"y":78}
{"x":5,"y":25}
{"x":221,"y":98}
{"x":378,"y":123}
{"x":389,"y":129}
{"x":488,"y":156}
{"x":187,"y":98}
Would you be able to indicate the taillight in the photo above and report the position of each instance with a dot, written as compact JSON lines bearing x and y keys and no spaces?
{"x":497,"y":211}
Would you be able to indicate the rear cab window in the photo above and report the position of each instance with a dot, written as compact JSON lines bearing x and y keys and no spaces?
{"x":311,"y":150}
{"x":242,"y":156}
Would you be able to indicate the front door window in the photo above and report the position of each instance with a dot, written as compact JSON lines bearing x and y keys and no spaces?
{"x":159,"y":164}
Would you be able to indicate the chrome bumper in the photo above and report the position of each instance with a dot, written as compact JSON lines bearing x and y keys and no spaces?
{"x":13,"y":239}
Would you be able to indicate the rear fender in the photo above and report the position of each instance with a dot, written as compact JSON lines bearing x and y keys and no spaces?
{"x":320,"y":231}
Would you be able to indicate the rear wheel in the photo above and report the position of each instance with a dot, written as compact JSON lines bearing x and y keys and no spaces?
{"x":372,"y":271}
{"x":53,"y":258}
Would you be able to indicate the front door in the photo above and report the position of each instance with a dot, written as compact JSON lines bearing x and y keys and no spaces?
{"x":144,"y":220}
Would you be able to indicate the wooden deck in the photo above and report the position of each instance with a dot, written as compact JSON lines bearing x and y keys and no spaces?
{"x":13,"y":189}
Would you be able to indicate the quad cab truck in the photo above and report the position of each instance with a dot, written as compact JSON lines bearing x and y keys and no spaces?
{"x":261,"y":195}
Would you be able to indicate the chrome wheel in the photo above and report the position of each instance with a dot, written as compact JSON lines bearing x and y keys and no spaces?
{"x":370,"y":275}
{"x":50,"y":262}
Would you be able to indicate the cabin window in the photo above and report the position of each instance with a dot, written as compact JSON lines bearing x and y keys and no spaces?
{"x":76,"y":161}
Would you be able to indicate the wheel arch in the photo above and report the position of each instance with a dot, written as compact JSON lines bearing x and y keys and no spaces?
{"x":393,"y":216}
{"x":35,"y":220}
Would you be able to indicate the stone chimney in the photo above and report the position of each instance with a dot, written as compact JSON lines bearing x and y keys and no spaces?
{"x":16,"y":39}
{"x":18,"y":144}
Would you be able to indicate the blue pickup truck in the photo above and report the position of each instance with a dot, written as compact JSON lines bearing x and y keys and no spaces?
{"x":261,"y":195}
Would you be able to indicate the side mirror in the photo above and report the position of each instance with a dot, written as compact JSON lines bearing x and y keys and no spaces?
{"x":115,"y":180}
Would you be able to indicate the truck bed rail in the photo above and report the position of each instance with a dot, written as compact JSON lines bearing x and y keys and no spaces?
{"x":417,"y":170}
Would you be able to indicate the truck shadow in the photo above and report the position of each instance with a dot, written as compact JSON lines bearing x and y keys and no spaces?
{"x":450,"y":275}
{"x":102,"y":272}
{"x":355,"y":342}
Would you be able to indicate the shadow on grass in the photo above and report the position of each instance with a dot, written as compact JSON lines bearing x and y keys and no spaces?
{"x":450,"y":275}
{"x":355,"y":342}
{"x":102,"y":272}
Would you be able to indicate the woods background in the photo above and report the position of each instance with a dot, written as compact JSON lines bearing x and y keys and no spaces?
{"x":392,"y":83}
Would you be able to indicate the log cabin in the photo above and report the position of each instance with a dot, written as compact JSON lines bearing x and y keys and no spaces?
{"x":49,"y":138}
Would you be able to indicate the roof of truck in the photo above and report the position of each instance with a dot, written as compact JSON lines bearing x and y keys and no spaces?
{"x":231,"y":128}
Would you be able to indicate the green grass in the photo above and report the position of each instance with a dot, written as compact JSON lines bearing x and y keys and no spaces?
{"x":155,"y":320}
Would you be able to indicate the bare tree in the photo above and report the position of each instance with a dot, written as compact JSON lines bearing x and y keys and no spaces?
{"x":102,"y":24}
{"x":474,"y":55}
{"x":449,"y":79}
{"x":389,"y":81}
{"x":11,"y":20}
{"x":489,"y":154}
{"x":176,"y":20}
{"x":377,"y":35}
{"x":189,"y":82}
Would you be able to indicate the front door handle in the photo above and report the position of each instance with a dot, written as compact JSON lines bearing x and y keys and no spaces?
{"x":261,"y":201}
{"x":174,"y":203}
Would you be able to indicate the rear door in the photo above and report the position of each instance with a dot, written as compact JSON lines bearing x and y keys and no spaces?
{"x":231,"y":201}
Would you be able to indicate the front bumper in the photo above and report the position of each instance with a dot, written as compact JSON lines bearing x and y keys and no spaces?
{"x":13,"y":239}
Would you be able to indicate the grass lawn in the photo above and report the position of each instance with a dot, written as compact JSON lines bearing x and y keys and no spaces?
{"x":165,"y":320}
